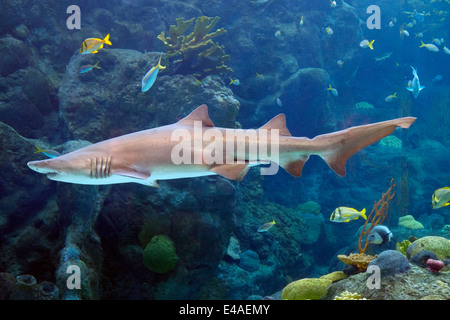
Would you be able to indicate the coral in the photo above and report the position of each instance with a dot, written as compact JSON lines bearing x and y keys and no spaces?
{"x":391,"y":142}
{"x":305,"y":289}
{"x":435,"y":265}
{"x":359,"y":260}
{"x":347,"y":295}
{"x":440,"y":246}
{"x":379,"y":212}
{"x":403,"y":246}
{"x":363,"y":105}
{"x":48,"y":291}
{"x":391,"y":262}
{"x":159,"y":254}
{"x":334,"y":276}
{"x":234,"y":248}
{"x":25,"y":288}
{"x":409,"y":222}
{"x":309,"y":207}
{"x":196,"y":53}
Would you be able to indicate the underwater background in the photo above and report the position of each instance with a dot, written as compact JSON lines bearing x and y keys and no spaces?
{"x":197,"y":238}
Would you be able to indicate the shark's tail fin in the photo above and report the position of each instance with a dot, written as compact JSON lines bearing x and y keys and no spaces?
{"x":341,"y":145}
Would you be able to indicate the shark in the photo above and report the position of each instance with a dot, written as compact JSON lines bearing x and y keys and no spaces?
{"x":147,"y":156}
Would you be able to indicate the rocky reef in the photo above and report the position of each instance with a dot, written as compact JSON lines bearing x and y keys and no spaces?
{"x":197,"y":238}
{"x":399,"y":277}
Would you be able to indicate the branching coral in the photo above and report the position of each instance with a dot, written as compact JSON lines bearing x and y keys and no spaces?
{"x":195,"y":53}
{"x":377,"y":215}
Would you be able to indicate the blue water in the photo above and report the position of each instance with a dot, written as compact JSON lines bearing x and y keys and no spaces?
{"x":283,"y":66}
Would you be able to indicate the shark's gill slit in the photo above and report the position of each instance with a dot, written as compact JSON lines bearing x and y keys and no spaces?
{"x":90,"y":173}
{"x":101,"y":168}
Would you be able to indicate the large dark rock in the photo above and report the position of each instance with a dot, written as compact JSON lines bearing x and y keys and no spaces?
{"x":106,"y":103}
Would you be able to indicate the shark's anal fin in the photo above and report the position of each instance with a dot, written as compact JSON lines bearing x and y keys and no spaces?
{"x":295,"y":167}
{"x":231,"y":171}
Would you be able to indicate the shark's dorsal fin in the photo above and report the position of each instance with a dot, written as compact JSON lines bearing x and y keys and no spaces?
{"x":278,"y":122}
{"x":199,"y":114}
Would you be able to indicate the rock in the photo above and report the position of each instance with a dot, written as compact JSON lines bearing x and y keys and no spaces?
{"x":93,"y":114}
{"x":416,"y":284}
{"x":249,"y":260}
{"x":31,"y":189}
{"x":391,"y":262}
{"x":15,"y":55}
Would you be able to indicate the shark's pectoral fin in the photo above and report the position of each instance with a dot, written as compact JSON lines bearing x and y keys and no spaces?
{"x":295,"y":167}
{"x":231,"y":171}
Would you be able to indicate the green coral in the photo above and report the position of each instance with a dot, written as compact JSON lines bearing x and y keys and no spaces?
{"x":306,"y":289}
{"x":159,"y":254}
{"x":363,"y":105}
{"x":195,"y":53}
{"x":403,"y":246}
{"x":309,"y":207}
{"x":334,"y":276}
{"x":347,"y":295}
{"x":391,"y":142}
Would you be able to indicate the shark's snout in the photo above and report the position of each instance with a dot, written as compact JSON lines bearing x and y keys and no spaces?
{"x":42,"y":166}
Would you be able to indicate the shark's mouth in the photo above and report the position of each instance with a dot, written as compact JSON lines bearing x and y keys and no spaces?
{"x":51,"y":175}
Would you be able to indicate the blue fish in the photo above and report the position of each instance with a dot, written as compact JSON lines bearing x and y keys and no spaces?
{"x":149,"y":79}
{"x":414,"y":86}
{"x":49,"y":153}
{"x":89,"y":67}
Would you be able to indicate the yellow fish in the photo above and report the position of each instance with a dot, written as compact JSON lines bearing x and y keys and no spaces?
{"x":440,"y":198}
{"x":329,"y":30}
{"x":266,"y":226}
{"x":345,"y":214}
{"x":429,"y":46}
{"x":390,"y":97}
{"x":236,"y":82}
{"x":92,"y":45}
{"x":332,"y":90}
